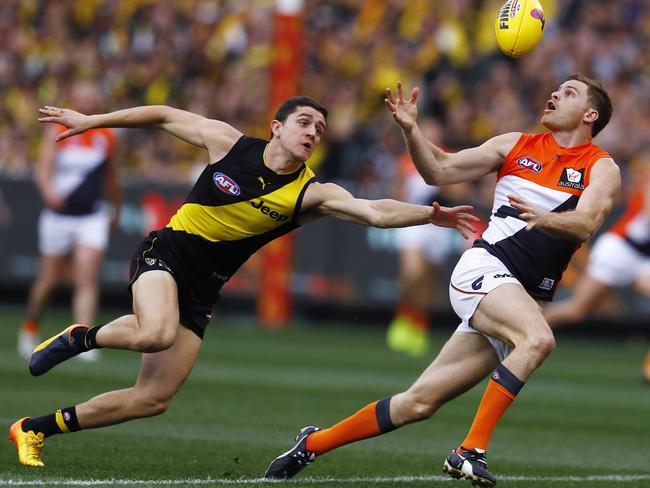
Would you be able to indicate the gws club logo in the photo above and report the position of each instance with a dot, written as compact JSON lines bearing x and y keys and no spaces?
{"x":530,"y":164}
{"x":572,"y":178}
{"x":226,"y":184}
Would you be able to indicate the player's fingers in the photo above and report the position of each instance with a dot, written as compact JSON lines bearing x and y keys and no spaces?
{"x":389,"y":95}
{"x":463,"y":232}
{"x":400,"y":93}
{"x":390,"y":104}
{"x":414,"y":94}
{"x":469,"y":217}
{"x":66,"y":134}
{"x":462,"y":208}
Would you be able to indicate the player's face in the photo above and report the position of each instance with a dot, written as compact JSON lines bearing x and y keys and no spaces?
{"x":301,"y":132}
{"x":567,"y":107}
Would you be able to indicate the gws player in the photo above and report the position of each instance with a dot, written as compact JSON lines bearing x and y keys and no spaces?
{"x":553,"y":191}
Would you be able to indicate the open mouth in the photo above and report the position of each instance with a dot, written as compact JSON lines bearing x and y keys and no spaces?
{"x":307,"y":146}
{"x":550,"y":106}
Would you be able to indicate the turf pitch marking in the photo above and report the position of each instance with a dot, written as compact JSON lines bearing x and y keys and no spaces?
{"x":398,"y":479}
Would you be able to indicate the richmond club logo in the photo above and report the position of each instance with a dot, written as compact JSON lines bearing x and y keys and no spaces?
{"x":530,"y":164}
{"x":226,"y":184}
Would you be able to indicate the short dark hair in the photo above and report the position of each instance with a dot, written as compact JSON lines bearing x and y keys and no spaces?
{"x":598,"y":98}
{"x":290,"y":105}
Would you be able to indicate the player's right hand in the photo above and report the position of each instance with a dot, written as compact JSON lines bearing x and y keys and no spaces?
{"x":404,"y":112}
{"x":75,"y":122}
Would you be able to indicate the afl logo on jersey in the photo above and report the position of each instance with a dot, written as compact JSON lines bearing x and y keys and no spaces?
{"x":530,"y":164}
{"x":226,"y":184}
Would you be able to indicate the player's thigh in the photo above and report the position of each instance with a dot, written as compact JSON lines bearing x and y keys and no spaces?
{"x":509,"y":313}
{"x":155,"y":300}
{"x":52,"y":268}
{"x":464,"y":360}
{"x":163,"y":373}
{"x":86,"y":262}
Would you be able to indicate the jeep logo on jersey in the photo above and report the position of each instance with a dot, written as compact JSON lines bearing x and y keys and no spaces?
{"x":226,"y":184}
{"x":572,"y":178}
{"x":530,"y":164}
{"x":267,"y":211}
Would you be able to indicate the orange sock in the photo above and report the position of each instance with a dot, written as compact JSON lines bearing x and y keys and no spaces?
{"x":501,"y":390}
{"x":370,"y":421}
{"x":415,"y":315}
{"x":30,"y":325}
{"x":646,"y":366}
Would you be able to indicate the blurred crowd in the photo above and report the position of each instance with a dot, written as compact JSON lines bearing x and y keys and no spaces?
{"x":212,"y":58}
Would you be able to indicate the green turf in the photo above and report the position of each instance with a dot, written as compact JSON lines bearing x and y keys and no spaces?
{"x":585,"y":413}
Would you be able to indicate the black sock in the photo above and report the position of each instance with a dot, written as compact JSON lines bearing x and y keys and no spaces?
{"x":61,"y":421}
{"x":382,"y":410}
{"x":90,"y":339}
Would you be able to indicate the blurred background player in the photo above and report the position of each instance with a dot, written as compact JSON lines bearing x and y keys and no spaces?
{"x":619,"y":258}
{"x":72,"y":177}
{"x":422,"y":251}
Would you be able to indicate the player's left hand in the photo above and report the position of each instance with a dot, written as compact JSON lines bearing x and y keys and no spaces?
{"x":75,"y":122}
{"x":530,"y":214}
{"x":455,"y":217}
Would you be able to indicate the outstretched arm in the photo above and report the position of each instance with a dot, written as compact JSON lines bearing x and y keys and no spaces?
{"x":438,"y":167}
{"x":330,"y":199}
{"x":215,"y":136}
{"x":594,"y":206}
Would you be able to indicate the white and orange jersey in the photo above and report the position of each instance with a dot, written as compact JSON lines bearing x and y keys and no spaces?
{"x":552,"y":178}
{"x":79,"y":166}
{"x":634,"y":224}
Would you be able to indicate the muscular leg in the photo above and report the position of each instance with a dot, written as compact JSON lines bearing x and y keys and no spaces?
{"x":161,"y":376}
{"x":463,"y":361}
{"x":154,"y":325}
{"x":510,"y":314}
{"x":588,"y":293}
{"x":86,"y":265}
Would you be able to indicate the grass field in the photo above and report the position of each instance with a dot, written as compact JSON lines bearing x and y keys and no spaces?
{"x":584,"y":419}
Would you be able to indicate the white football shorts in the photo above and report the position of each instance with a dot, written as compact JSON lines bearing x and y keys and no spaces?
{"x":478,"y":273}
{"x":58,"y":234}
{"x":615,"y":262}
{"x":437,"y":243}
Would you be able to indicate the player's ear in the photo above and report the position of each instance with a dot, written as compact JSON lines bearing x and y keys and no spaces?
{"x":591,"y":115}
{"x":276,"y":126}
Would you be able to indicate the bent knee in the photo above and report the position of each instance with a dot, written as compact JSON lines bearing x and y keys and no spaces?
{"x":150,"y":406}
{"x":154,"y":341}
{"x":542,"y":344}
{"x":413,"y":409}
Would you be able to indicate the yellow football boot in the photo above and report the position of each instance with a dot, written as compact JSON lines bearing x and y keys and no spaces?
{"x":28,"y":444}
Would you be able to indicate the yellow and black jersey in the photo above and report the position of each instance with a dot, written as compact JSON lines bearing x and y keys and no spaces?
{"x":236,"y":206}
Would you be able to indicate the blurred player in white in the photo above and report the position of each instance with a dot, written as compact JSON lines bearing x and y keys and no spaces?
{"x":72,"y":177}
{"x":422,"y":251}
{"x":619,"y":258}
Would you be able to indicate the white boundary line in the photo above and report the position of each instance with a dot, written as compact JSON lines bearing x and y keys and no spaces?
{"x":398,"y":479}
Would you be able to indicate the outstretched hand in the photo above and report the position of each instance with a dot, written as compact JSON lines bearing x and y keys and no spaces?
{"x":455,"y":217}
{"x":530,"y":214}
{"x":75,"y":122}
{"x":404,"y":112}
